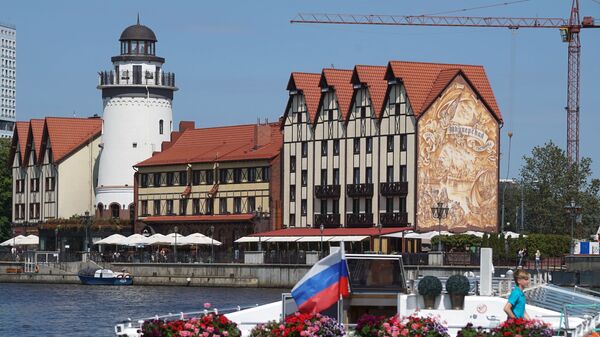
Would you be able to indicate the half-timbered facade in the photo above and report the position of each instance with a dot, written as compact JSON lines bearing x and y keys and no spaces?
{"x":224,"y":179}
{"x":351,"y":146}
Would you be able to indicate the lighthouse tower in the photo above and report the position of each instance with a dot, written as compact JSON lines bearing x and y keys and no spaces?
{"x":137,"y":96}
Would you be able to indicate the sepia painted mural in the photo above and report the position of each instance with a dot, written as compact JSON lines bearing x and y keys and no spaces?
{"x":458,"y":162}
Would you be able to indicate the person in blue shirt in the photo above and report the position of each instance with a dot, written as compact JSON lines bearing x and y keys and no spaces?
{"x":515,"y":307}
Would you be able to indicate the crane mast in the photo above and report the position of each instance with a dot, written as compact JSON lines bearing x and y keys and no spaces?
{"x":569,"y":28}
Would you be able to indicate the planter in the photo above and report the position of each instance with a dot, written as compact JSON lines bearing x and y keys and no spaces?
{"x":429,"y":301}
{"x":457,"y":301}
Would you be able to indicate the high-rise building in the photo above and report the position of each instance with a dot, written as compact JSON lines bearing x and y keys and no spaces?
{"x":8,"y":79}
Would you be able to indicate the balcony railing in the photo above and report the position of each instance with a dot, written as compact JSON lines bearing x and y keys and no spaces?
{"x":393,"y":219}
{"x":327,"y":220}
{"x":359,"y":220}
{"x":327,"y":191}
{"x":359,"y":190}
{"x":163,"y":79}
{"x":397,"y":188}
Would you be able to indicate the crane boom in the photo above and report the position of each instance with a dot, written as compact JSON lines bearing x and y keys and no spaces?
{"x":569,"y":28}
{"x":429,"y":20}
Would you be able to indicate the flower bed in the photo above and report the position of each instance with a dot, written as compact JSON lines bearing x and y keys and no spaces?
{"x":300,"y":325}
{"x":209,"y":325}
{"x":510,"y":328}
{"x":371,"y":326}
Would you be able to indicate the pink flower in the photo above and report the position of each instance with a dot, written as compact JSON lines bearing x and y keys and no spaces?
{"x":207,"y":305}
{"x":225,"y":333}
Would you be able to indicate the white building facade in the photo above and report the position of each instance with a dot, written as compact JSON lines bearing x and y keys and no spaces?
{"x":137,"y":96}
{"x":353,"y":155}
{"x":8,"y":79}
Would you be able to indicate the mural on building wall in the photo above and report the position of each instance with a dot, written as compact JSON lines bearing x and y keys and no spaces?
{"x":458,"y":162}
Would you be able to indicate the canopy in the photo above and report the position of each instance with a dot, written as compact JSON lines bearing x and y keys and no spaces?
{"x":200,"y":239}
{"x":136,"y":240}
{"x":114,"y":239}
{"x":30,"y":240}
{"x":283,"y":239}
{"x":315,"y":239}
{"x":348,"y":238}
{"x":425,"y":237}
{"x":21,"y":240}
{"x":250,"y":239}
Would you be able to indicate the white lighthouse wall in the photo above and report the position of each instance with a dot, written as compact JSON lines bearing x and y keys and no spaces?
{"x":131,"y":132}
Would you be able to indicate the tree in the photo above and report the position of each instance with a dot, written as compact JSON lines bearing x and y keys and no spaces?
{"x":5,"y":189}
{"x":549,"y":183}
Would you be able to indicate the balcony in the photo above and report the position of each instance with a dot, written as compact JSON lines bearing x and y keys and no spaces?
{"x":359,"y":220}
{"x":164,"y":79}
{"x":393,"y":219}
{"x":391,"y":189}
{"x":327,"y":191}
{"x":327,"y":220}
{"x":359,"y":190}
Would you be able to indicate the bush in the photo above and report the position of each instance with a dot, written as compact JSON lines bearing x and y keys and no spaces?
{"x":470,"y":331}
{"x":298,"y":324}
{"x":458,"y":285}
{"x":457,"y":242}
{"x":430,"y":285}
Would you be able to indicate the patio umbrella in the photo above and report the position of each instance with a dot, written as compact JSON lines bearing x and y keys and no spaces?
{"x":136,"y":240}
{"x":114,"y":239}
{"x":201,"y":239}
{"x":30,"y":240}
{"x":13,"y":242}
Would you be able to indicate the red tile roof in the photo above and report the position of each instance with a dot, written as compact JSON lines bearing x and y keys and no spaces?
{"x":423,"y":80}
{"x":37,"y":128}
{"x":370,"y":231}
{"x":219,"y":144}
{"x":374,"y":78}
{"x":69,"y":134}
{"x":341,"y":81}
{"x":21,"y":134}
{"x":199,"y":218}
{"x":308,"y":84}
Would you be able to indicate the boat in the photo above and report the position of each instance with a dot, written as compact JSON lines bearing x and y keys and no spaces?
{"x":105,"y":277}
{"x":379,"y":287}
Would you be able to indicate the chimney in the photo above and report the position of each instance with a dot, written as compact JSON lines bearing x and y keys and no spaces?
{"x":186,"y":125}
{"x":262,"y":135}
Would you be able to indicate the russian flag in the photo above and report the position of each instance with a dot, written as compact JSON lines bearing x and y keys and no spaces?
{"x":324,"y":283}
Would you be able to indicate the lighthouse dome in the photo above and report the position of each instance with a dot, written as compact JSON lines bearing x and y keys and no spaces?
{"x":138,"y":32}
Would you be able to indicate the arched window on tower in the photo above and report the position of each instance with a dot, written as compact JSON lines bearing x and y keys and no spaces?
{"x":115,"y":209}
{"x":160,"y":126}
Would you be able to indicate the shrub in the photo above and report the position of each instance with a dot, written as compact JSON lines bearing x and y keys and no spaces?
{"x":430,"y":285}
{"x":296,"y":325}
{"x":458,"y":285}
{"x":470,"y":331}
{"x":368,"y":325}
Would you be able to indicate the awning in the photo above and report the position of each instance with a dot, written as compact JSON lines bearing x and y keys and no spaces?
{"x":315,"y":239}
{"x":282,"y":239}
{"x":348,"y":238}
{"x":246,"y":239}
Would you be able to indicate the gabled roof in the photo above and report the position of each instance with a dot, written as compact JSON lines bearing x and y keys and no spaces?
{"x":21,"y":135}
{"x":219,"y":144}
{"x":341,"y":81}
{"x":308,"y":84}
{"x":69,"y":134}
{"x":374,"y":78}
{"x":424,"y":82}
{"x":37,"y":130}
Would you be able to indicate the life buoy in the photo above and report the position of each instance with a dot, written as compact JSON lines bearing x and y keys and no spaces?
{"x":37,"y":268}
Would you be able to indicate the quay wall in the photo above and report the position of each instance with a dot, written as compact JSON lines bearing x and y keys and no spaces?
{"x":207,"y":275}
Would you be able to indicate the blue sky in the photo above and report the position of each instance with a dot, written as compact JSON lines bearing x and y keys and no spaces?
{"x":233,"y":58}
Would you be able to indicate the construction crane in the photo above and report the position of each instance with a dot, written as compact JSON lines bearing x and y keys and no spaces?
{"x":569,"y":30}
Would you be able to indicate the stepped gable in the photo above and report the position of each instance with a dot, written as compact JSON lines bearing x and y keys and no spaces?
{"x":341,"y":81}
{"x":308,"y":84}
{"x":220,"y":144}
{"x":425,"y":81}
{"x":68,"y":134}
{"x":374,"y":78}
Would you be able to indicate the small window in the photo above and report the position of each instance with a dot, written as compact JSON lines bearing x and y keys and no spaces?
{"x":209,"y":206}
{"x":156,"y":177}
{"x":251,"y":204}
{"x":336,"y":176}
{"x":196,"y":206}
{"x":304,"y":177}
{"x":369,"y":175}
{"x":335,"y":206}
{"x":170,"y":207}
{"x":292,"y":163}
{"x":324,"y":148}
{"x":402,"y":205}
{"x":356,"y":206}
{"x":237,"y":205}
{"x":403,"y":142}
{"x":368,"y":205}
{"x":356,"y":176}
{"x":115,"y":210}
{"x":237,"y":175}
{"x":134,"y":145}
{"x":336,"y":147}
{"x":160,"y":127}
{"x":356,"y":145}
{"x":170,"y":178}
{"x":183,"y":206}
{"x":324,"y":206}
{"x":196,"y":177}
{"x":363,"y":112}
{"x":369,"y":144}
{"x":144,"y":210}
{"x":304,"y":149}
{"x":323,"y":177}
{"x":389,"y":205}
{"x":292,"y":220}
{"x":330,"y":115}
{"x":390,"y":143}
{"x":390,"y":174}
{"x":156,"y":209}
{"x":144,"y":180}
{"x":292,"y":193}
{"x":403,"y":176}
{"x":252,"y":174}
{"x":303,"y":207}
{"x":223,"y":205}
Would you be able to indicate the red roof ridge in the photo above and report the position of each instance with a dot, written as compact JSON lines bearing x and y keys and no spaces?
{"x":68,"y":134}
{"x":344,"y":91}
{"x":376,"y":83}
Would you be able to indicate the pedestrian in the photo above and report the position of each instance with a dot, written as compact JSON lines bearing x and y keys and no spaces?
{"x":515,"y":307}
{"x":538,"y":259}
{"x":519,"y":258}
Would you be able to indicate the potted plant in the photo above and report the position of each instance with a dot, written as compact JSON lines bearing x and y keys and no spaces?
{"x":457,"y":287}
{"x":430,"y":287}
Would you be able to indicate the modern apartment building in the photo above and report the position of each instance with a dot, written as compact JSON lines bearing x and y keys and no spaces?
{"x":8,"y":79}
{"x":381,"y":145}
{"x":222,"y":182}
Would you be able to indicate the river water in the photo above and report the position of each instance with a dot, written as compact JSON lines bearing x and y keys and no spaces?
{"x":89,"y":311}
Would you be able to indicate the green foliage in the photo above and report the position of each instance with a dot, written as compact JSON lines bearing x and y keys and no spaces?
{"x":5,"y":190}
{"x":430,"y":285}
{"x":458,"y":285}
{"x":550,"y":245}
{"x":457,"y":242}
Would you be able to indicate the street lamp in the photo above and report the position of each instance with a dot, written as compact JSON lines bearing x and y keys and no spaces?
{"x":379,"y":229}
{"x":86,"y":225}
{"x":212,"y":246}
{"x":322,"y":228}
{"x":574,"y":210}
{"x":439,"y":212}
{"x":175,"y":247}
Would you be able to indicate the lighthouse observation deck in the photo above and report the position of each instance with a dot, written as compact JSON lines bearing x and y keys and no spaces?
{"x":136,"y":78}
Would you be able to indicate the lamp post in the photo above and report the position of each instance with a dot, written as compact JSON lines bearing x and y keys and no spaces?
{"x":322,"y":228}
{"x":86,"y":225}
{"x":379,"y":230}
{"x":212,"y":246}
{"x":175,"y":246}
{"x":439,"y":212}
{"x":574,"y":210}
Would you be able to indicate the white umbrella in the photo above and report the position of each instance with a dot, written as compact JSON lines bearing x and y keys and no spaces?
{"x":13,"y":242}
{"x":136,"y":240}
{"x":513,"y":235}
{"x":114,"y":239}
{"x":426,"y":237}
{"x":477,"y":234}
{"x":160,"y":239}
{"x":30,"y":240}
{"x":200,"y":239}
{"x":178,"y":239}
